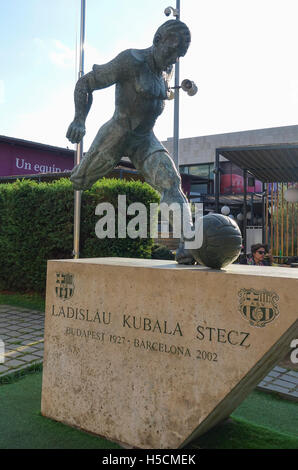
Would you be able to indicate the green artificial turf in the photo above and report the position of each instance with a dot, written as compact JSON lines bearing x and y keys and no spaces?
{"x":18,"y":374}
{"x":33,"y":301}
{"x":271,"y":411}
{"x":240,"y":434}
{"x":262,"y":421}
{"x":23,"y":427}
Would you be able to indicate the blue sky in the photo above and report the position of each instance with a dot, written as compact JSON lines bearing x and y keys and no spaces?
{"x":243,"y":57}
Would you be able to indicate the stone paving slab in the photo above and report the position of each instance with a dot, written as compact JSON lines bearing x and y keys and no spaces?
{"x":13,"y":354}
{"x":293,"y":373}
{"x":39,"y":346}
{"x":22,"y":331}
{"x":13,"y":363}
{"x":290,"y":378}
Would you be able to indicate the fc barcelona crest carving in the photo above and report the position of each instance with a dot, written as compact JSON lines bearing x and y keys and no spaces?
{"x":259,"y":307}
{"x":64,"y":285}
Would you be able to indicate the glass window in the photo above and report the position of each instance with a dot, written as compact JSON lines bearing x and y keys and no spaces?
{"x":183,"y":170}
{"x":211,"y":173}
{"x":199,"y":170}
{"x":204,"y":171}
{"x":199,"y":188}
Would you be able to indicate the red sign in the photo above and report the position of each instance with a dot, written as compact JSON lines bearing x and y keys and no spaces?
{"x":232,"y":181}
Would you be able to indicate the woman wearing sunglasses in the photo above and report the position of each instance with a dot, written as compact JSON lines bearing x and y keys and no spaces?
{"x":259,"y":256}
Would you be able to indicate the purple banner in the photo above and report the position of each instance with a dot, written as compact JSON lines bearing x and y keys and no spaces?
{"x":24,"y":160}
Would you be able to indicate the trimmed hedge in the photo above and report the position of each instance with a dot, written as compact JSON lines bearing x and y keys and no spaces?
{"x":161,"y":252}
{"x":36,"y":224}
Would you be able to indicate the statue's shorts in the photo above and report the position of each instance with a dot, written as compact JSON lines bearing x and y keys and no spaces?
{"x":145,"y":151}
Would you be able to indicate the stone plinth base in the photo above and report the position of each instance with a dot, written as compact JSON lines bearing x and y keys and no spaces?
{"x":153,"y":354}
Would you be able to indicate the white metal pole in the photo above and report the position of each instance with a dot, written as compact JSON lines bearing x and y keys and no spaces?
{"x":79,"y":149}
{"x":176,"y":102}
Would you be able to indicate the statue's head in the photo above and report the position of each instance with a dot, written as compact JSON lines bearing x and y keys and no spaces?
{"x":170,"y":42}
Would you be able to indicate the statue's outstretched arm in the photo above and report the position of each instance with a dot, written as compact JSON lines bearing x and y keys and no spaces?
{"x":102,"y":76}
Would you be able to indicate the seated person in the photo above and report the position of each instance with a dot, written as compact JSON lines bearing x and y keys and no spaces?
{"x":259,"y":256}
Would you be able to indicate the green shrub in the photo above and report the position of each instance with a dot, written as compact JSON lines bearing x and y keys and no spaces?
{"x":36,"y":224}
{"x":161,"y":252}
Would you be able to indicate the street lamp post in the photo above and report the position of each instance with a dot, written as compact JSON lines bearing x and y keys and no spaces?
{"x":176,"y":13}
{"x":186,"y":85}
{"x":79,"y":148}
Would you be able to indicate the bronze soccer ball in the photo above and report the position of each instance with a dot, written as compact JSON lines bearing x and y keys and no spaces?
{"x":222,"y":241}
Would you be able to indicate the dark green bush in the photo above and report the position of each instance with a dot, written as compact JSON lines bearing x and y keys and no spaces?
{"x":161,"y":252}
{"x":36,"y":224}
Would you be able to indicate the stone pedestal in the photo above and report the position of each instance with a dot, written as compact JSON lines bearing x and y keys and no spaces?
{"x":152,"y":354}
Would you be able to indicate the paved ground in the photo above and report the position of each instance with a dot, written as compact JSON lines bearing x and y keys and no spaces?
{"x":22,"y":331}
{"x":281,"y":381}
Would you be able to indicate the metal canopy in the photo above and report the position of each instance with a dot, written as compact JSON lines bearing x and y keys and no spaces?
{"x":268,"y":163}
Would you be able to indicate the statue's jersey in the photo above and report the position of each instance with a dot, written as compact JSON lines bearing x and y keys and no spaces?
{"x":140,"y":92}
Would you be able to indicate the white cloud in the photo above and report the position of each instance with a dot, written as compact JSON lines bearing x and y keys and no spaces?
{"x":62,"y":55}
{"x":49,"y":123}
{"x":39,"y":42}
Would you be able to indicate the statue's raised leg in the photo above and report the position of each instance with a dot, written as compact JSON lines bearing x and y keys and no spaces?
{"x":160,"y":172}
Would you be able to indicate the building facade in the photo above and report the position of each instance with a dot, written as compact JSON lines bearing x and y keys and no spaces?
{"x":197,"y":158}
